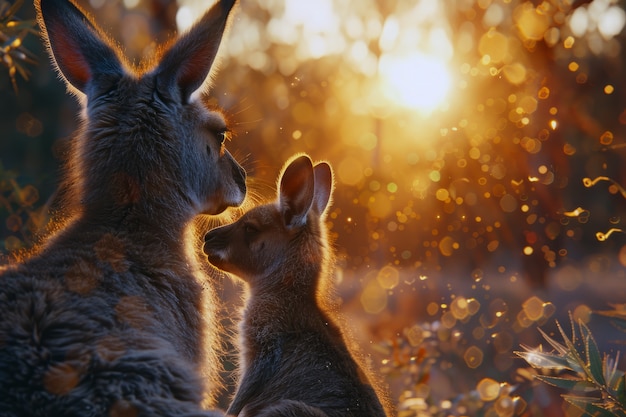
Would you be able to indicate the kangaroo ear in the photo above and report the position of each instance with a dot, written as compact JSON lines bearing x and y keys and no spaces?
{"x":80,"y":50}
{"x":297,"y":186}
{"x":323,"y":187}
{"x":187,"y":64}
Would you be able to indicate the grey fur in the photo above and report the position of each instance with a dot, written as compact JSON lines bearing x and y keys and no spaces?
{"x":295,"y":358}
{"x":112,"y":315}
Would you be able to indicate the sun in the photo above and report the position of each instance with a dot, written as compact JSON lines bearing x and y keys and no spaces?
{"x":415,"y":81}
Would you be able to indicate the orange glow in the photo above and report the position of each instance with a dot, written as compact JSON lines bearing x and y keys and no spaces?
{"x":415,"y":81}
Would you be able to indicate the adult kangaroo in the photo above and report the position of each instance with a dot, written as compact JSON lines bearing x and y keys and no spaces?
{"x":112,"y":315}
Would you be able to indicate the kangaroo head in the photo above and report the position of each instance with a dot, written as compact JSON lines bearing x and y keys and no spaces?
{"x":147,"y":142}
{"x":285,"y":235}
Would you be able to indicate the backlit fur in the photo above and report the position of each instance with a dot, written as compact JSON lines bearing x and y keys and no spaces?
{"x":295,"y":359}
{"x":113,"y":315}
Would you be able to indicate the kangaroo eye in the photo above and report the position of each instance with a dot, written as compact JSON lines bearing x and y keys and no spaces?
{"x":250,"y":229}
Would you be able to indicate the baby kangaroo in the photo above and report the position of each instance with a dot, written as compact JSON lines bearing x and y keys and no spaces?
{"x":295,"y":360}
{"x":112,"y":315}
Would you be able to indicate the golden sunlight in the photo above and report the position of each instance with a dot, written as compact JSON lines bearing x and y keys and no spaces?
{"x":415,"y":81}
{"x":414,"y":51}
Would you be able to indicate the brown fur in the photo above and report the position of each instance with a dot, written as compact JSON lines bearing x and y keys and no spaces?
{"x":295,"y":358}
{"x":113,"y":315}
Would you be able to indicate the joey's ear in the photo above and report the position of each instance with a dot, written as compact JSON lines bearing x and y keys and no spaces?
{"x":81,"y":51}
{"x":323,"y":187}
{"x":297,"y":185}
{"x":187,"y":64}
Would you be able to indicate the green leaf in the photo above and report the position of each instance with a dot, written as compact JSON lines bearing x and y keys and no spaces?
{"x":590,"y":405}
{"x":544,"y":360}
{"x":594,"y":360}
{"x":556,"y":345}
{"x":575,"y":359}
{"x":612,"y":375}
{"x":570,"y":384}
{"x":620,"y":391}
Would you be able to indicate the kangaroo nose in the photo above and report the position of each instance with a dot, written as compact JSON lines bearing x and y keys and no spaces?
{"x":207,"y":241}
{"x":239,"y":174}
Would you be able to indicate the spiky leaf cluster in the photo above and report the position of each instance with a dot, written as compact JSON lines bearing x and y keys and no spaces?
{"x":594,"y":383}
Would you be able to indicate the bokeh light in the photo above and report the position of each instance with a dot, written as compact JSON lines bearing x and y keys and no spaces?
{"x":477,"y":148}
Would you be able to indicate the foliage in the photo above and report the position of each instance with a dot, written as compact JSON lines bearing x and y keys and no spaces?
{"x":14,"y":56}
{"x":17,"y":207}
{"x":418,"y":365}
{"x":488,"y":184}
{"x":596,"y":385}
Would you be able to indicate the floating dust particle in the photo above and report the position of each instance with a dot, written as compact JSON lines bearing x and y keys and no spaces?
{"x":388,"y":277}
{"x":446,"y":246}
{"x":533,"y":308}
{"x":432,"y":308}
{"x":373,"y":298}
{"x":508,"y":203}
{"x":493,"y":45}
{"x":606,"y":138}
{"x":532,"y":22}
{"x":543,"y":93}
{"x":515,"y":73}
{"x":504,"y":406}
{"x":459,"y":309}
{"x":488,"y":389}
{"x":415,"y":335}
{"x":523,"y":320}
{"x":478,"y":333}
{"x":548,"y":309}
{"x":473,"y":357}
{"x":442,"y":194}
{"x":448,"y":320}
{"x":13,"y":243}
{"x":473,"y":306}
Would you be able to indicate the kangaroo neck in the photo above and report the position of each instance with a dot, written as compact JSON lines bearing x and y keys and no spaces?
{"x":164,"y":241}
{"x":290,"y":301}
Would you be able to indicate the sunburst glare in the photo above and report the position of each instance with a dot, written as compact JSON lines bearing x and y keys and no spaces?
{"x":416,"y":81}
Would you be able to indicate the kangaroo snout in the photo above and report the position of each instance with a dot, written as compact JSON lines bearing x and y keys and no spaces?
{"x":239,"y":175}
{"x":216,"y":243}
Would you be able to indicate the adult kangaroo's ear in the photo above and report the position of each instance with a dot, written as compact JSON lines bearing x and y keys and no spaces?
{"x":323,"y":186}
{"x":297,"y":186}
{"x":187,"y":64}
{"x":80,"y":50}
